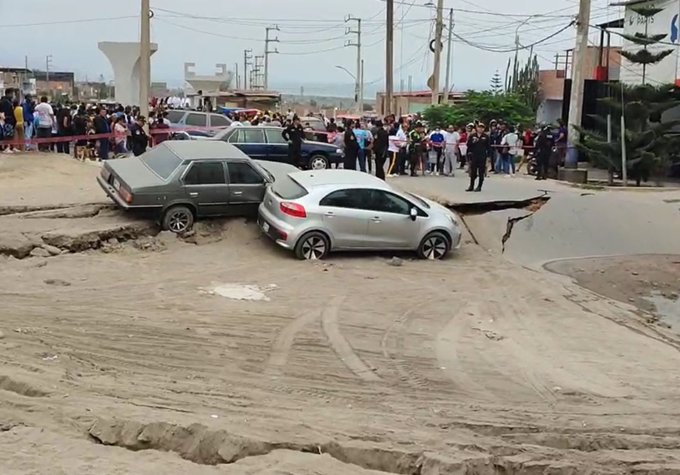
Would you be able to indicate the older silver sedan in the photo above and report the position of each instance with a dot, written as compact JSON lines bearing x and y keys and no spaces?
{"x":315,"y":212}
{"x":182,"y":181}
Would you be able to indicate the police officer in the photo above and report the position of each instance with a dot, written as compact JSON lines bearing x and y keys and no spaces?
{"x":479,"y":150}
{"x":294,"y":134}
{"x":416,"y":140}
{"x":544,"y":148}
{"x":138,"y":138}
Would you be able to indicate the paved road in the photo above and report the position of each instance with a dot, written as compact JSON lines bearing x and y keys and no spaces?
{"x":575,"y":222}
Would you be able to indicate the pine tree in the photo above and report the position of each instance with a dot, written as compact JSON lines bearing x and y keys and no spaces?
{"x":644,"y":56}
{"x":497,"y":83}
{"x":648,"y":144}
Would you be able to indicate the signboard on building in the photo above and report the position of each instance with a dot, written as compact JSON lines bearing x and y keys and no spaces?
{"x":666,"y":22}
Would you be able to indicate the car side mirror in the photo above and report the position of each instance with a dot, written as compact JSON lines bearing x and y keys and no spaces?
{"x":414,"y":214}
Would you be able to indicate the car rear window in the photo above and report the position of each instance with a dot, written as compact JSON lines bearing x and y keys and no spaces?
{"x":288,"y":189}
{"x":161,"y":161}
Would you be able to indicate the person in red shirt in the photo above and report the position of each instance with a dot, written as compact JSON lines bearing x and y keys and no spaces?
{"x":462,"y":150}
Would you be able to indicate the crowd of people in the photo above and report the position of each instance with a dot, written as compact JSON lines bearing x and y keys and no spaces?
{"x":394,"y":146}
{"x":58,"y":126}
{"x":406,"y":146}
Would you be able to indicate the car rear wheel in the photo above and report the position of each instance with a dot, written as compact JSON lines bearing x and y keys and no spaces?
{"x":178,"y":219}
{"x":318,"y":162}
{"x":312,"y":246}
{"x":434,"y":246}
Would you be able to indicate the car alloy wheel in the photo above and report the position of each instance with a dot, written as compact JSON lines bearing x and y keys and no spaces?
{"x":179,"y":221}
{"x":435,"y":247}
{"x":314,"y":248}
{"x":318,"y":163}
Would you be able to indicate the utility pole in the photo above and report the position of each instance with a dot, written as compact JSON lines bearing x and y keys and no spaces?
{"x":437,"y":51}
{"x":361,"y":86}
{"x":448,"y":58}
{"x":267,"y":52}
{"x":257,"y":73}
{"x":357,"y":87}
{"x":236,"y":78}
{"x":578,"y":82}
{"x":247,"y":57}
{"x":145,"y":59}
{"x":48,"y":62}
{"x":389,"y":58}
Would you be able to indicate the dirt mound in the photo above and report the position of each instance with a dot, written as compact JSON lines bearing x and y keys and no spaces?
{"x":237,"y":230}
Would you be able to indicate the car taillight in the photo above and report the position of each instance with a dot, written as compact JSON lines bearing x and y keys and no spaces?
{"x":293,"y":209}
{"x":125,"y":194}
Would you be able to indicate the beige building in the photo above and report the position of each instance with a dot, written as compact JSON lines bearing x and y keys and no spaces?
{"x":404,"y":103}
{"x":602,"y":64}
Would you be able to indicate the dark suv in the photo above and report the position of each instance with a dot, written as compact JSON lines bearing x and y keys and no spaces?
{"x":267,"y":143}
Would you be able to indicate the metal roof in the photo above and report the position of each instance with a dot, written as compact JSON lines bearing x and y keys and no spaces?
{"x":203,"y":150}
{"x":627,"y":3}
{"x":315,"y":178}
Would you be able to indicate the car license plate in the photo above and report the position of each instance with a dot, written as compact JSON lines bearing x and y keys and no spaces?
{"x":116,"y":184}
{"x":265,"y":226}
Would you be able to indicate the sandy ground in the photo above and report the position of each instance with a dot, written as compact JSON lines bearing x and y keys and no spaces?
{"x":650,"y":282}
{"x":125,"y":360}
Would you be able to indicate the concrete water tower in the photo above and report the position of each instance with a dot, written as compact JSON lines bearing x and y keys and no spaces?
{"x":209,"y":84}
{"x":125,"y":58}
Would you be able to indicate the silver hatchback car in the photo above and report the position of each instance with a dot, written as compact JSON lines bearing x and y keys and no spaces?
{"x":315,"y":212}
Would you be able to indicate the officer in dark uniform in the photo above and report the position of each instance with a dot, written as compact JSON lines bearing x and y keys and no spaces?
{"x":416,"y":147}
{"x":544,"y":149}
{"x":138,"y":138}
{"x":479,"y":150}
{"x":294,"y":134}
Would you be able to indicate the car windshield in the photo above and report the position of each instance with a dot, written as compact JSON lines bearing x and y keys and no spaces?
{"x":161,"y":161}
{"x":418,"y":200}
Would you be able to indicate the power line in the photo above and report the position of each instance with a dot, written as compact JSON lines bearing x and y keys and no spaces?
{"x":64,"y":22}
{"x":510,"y":50}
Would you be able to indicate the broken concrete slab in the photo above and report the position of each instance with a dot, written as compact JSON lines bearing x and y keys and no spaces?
{"x":489,"y":229}
{"x":16,"y":244}
{"x":92,"y":235}
{"x":450,"y":191}
{"x":603,"y":224}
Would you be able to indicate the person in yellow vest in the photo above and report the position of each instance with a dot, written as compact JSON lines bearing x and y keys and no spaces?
{"x":19,"y":128}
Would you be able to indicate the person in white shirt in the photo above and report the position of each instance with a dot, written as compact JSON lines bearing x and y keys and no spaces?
{"x":402,"y":141}
{"x":393,"y":152}
{"x":451,"y":139}
{"x":510,"y":148}
{"x":46,"y":120}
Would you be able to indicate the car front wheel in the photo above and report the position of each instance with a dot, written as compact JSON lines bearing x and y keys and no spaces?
{"x":318,"y":162}
{"x":312,"y":246}
{"x":434,"y":246}
{"x":178,"y":219}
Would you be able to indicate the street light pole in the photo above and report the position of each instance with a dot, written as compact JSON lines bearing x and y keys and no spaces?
{"x":437,"y":52}
{"x":145,"y":58}
{"x":448,"y":58}
{"x":357,"y":87}
{"x":389,"y":58}
{"x":578,"y":82}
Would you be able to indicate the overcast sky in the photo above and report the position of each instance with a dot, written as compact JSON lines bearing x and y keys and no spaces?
{"x":312,"y":35}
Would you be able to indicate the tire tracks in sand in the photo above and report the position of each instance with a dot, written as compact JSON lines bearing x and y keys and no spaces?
{"x":283,"y":344}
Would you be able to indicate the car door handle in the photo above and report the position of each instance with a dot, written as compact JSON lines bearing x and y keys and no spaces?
{"x":376,"y":219}
{"x":237,"y":193}
{"x":193,"y":195}
{"x":329,"y":214}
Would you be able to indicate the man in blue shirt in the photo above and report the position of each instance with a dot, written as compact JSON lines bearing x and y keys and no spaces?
{"x":437,"y":144}
{"x":362,"y":138}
